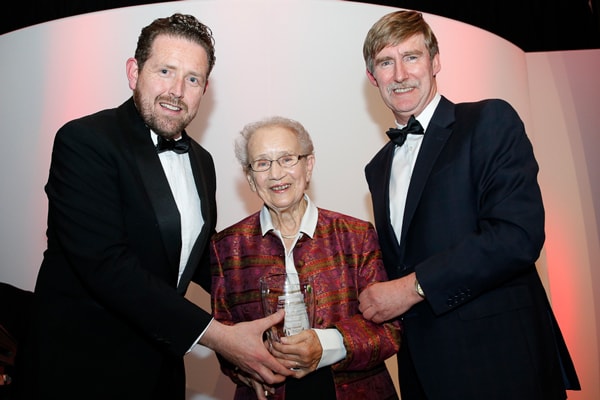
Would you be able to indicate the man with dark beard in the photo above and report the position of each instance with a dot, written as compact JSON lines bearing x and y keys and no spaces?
{"x":131,"y":209}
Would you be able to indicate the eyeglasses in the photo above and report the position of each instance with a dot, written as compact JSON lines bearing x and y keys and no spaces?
{"x":287,"y":161}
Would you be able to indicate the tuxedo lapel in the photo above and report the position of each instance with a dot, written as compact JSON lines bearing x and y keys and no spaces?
{"x":436,"y":136}
{"x":378,"y":172}
{"x":385,"y":187}
{"x":379,"y":181}
{"x":155,"y":182}
{"x":195,"y":257}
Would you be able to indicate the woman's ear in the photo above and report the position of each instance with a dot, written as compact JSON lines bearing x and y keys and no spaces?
{"x":250,"y":180}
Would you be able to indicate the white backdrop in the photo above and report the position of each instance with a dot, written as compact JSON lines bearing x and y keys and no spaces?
{"x":300,"y":59}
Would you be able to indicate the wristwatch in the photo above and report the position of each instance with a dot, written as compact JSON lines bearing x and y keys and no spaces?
{"x":418,"y":288}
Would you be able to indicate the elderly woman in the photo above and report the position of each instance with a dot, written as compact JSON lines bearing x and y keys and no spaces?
{"x":343,"y":355}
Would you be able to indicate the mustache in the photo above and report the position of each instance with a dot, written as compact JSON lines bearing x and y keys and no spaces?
{"x":400,"y":85}
{"x":174,"y":101}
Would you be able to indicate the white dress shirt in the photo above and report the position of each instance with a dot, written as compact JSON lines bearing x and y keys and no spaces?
{"x":405,"y":157}
{"x":179,"y":174}
{"x":178,"y":170}
{"x":331,"y":339}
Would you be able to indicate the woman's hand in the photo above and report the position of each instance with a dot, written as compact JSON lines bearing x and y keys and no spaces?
{"x":301,"y":353}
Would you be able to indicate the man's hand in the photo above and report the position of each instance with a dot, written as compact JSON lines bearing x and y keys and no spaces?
{"x":384,"y":301}
{"x":242,"y":345}
{"x":262,"y":390}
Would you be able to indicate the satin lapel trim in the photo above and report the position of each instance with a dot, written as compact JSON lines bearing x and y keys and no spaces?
{"x":159,"y":193}
{"x":385,"y":187}
{"x":196,"y":253}
{"x":379,"y":184}
{"x":434,"y":140}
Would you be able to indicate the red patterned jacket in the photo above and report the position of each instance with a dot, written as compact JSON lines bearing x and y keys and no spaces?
{"x":344,"y":257}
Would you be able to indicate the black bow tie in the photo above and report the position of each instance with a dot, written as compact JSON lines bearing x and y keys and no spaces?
{"x":398,"y":136}
{"x":178,"y":146}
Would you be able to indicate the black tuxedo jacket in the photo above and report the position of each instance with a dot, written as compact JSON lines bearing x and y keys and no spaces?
{"x":473,"y":229}
{"x":109,"y":312}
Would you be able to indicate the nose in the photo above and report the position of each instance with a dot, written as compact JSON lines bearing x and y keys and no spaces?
{"x":400,"y":72}
{"x":176,"y":89}
{"x":276,"y":171}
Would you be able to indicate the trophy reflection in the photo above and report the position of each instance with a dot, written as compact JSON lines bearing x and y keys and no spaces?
{"x":296,"y":296}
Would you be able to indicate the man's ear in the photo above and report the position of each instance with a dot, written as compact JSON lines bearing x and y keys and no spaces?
{"x":132,"y":70}
{"x":371,"y":78}
{"x":436,"y":64}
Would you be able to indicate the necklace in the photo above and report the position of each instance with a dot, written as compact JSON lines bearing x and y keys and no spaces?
{"x":289,"y":236}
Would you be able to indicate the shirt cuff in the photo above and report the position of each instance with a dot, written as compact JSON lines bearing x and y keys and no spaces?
{"x":200,"y":337}
{"x":332,"y":343}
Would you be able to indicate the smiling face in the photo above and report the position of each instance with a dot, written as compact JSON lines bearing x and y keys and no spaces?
{"x":169,"y":88}
{"x":281,"y":189}
{"x":405,"y":75}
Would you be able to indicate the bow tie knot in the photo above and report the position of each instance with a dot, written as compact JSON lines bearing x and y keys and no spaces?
{"x":178,"y":146}
{"x":398,"y":136}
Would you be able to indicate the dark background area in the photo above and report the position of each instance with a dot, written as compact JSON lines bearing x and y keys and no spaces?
{"x":532,"y":25}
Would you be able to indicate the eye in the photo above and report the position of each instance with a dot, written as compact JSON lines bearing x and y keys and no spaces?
{"x":194,"y":81}
{"x":287,"y":160}
{"x":261,"y":164}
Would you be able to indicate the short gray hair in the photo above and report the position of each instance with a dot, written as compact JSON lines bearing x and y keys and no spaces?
{"x":241,"y":142}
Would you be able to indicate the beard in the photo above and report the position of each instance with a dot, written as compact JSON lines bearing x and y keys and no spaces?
{"x":163,"y":126}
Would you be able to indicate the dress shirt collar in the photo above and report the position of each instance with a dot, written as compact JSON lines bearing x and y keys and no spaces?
{"x":307,"y":226}
{"x":154,"y":136}
{"x":427,"y":113}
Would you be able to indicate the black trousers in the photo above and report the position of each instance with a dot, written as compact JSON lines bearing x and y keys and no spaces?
{"x":317,"y":385}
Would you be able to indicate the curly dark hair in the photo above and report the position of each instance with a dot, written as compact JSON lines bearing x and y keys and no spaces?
{"x":178,"y":25}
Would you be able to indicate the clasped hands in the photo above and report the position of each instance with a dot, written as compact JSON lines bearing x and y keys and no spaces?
{"x":299,"y":353}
